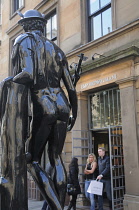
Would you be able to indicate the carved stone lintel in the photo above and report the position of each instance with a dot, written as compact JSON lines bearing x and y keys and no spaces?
{"x":126,"y":82}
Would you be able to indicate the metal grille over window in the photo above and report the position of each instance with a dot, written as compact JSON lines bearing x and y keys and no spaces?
{"x":100,"y":21}
{"x":81,"y":147}
{"x":105,"y":108}
{"x":117,"y":167}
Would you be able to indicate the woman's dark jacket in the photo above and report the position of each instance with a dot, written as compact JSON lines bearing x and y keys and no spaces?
{"x":73,"y":178}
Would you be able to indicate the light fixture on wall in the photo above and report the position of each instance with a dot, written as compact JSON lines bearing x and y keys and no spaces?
{"x":82,"y":58}
{"x":97,"y":55}
{"x":73,"y":65}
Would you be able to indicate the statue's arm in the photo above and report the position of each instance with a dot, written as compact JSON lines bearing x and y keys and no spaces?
{"x":71,"y":93}
{"x":25,"y":58}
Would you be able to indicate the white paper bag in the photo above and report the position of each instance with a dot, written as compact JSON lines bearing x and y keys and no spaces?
{"x":95,"y":187}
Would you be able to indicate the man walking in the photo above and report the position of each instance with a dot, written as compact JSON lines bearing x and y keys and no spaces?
{"x":104,"y":176}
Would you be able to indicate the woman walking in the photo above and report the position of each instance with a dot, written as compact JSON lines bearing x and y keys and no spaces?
{"x":73,"y":180}
{"x":89,"y":172}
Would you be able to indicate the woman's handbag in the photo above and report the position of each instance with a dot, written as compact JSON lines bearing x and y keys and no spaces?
{"x":71,"y":190}
{"x":95,"y":187}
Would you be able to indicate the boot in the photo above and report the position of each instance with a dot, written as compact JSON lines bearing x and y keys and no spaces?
{"x":74,"y":207}
{"x":69,"y":206}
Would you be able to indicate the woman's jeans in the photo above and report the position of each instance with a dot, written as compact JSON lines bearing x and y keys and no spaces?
{"x":90,"y":196}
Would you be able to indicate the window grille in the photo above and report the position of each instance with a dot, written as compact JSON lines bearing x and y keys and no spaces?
{"x":105,"y":108}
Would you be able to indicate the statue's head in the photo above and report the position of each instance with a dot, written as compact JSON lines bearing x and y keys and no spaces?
{"x":32,"y":20}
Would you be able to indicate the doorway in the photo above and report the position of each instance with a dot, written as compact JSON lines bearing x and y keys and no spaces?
{"x":111,"y":139}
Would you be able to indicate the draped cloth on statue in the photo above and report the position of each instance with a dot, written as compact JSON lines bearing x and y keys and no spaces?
{"x":13,"y":133}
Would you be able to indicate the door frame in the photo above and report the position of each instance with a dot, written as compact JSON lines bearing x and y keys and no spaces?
{"x":116,"y":203}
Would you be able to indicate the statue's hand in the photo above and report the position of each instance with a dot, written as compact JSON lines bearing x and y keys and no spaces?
{"x":23,"y":77}
{"x":8,"y":80}
{"x":71,"y":123}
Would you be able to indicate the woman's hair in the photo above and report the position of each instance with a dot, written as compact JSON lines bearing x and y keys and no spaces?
{"x":94,"y":157}
{"x":74,"y":162}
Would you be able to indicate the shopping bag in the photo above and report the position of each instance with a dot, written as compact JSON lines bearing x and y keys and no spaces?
{"x":95,"y":187}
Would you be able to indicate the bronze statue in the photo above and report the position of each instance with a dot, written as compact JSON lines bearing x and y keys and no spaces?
{"x":13,"y":133}
{"x":34,"y":112}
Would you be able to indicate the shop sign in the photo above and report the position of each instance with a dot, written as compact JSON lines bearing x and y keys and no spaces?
{"x":98,"y":82}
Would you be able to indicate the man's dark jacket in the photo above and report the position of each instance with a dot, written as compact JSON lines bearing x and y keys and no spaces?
{"x":104,"y":167}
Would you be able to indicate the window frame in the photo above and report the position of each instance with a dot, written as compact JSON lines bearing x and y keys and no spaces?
{"x":95,"y":14}
{"x":49,"y":16}
{"x":13,"y":11}
{"x":92,"y":125}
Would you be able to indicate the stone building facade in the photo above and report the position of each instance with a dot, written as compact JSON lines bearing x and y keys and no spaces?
{"x":107,"y":32}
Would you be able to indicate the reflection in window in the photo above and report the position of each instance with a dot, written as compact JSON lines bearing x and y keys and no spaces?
{"x":100,"y":22}
{"x":105,"y":108}
{"x":106,"y":21}
{"x":97,"y":26}
{"x":51,"y":27}
{"x":94,"y":6}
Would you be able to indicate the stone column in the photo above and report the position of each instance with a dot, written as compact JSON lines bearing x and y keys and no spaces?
{"x":130,"y":142}
{"x":81,"y":124}
{"x":82,"y":116}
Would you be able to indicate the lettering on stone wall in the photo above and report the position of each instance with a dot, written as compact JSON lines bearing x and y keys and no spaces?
{"x":98,"y":82}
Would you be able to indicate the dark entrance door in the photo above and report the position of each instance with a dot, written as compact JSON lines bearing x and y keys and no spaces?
{"x":111,"y":139}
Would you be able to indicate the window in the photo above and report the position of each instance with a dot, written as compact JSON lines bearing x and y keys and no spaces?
{"x":100,"y":22}
{"x":51,"y":27}
{"x":0,"y":13}
{"x":17,"y":4}
{"x":105,"y":108}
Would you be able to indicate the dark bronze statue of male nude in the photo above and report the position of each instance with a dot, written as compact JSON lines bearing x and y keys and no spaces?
{"x":34,"y":112}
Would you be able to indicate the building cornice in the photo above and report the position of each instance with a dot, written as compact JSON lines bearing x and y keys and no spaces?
{"x":52,"y":4}
{"x":102,"y":61}
{"x":38,"y":6}
{"x":14,"y":27}
{"x":112,"y":35}
{"x":125,"y":80}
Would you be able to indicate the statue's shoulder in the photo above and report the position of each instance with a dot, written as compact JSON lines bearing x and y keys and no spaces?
{"x":21,"y":37}
{"x":55,"y":47}
{"x":18,"y":42}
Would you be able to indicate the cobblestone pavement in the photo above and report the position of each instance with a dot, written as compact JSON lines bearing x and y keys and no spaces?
{"x":37,"y":205}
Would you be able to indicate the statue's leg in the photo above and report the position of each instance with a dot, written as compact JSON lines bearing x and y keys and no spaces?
{"x":55,"y":147}
{"x":40,"y":133}
{"x":45,"y":185}
{"x":42,"y":179}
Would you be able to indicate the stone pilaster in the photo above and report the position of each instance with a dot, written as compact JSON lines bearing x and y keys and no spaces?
{"x":130,"y":141}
